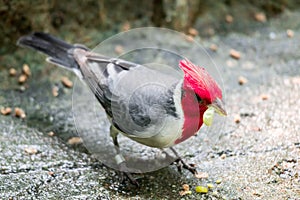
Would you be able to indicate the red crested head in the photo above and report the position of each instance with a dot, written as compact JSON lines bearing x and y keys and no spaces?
{"x":200,"y":81}
{"x":200,"y":91}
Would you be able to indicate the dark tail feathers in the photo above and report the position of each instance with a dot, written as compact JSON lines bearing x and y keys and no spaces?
{"x":57,"y":50}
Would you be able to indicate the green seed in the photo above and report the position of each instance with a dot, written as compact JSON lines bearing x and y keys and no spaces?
{"x":201,"y":189}
{"x":218,"y":181}
{"x":208,"y":116}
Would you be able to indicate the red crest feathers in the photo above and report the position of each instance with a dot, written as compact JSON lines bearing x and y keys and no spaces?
{"x":198,"y":79}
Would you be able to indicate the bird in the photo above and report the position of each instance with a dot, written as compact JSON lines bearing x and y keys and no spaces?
{"x":151,"y":107}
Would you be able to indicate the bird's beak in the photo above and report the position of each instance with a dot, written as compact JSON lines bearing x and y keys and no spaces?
{"x":219,"y":107}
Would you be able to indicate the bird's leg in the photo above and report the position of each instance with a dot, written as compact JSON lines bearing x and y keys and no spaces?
{"x":120,"y":160}
{"x":181,"y":164}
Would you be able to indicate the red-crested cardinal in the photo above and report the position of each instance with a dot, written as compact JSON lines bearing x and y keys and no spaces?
{"x":146,"y":105}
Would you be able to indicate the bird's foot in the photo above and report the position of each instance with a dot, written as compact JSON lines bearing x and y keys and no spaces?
{"x":124,"y":170}
{"x":126,"y":175}
{"x":181,"y":164}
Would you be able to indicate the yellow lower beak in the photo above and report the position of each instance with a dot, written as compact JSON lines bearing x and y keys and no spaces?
{"x":219,"y":107}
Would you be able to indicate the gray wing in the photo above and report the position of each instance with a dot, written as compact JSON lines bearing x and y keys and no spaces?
{"x":137,"y":98}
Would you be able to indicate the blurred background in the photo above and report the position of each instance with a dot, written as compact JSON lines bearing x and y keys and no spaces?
{"x":92,"y":21}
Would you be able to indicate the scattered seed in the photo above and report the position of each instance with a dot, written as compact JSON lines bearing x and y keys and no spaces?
{"x":66,"y":82}
{"x":119,"y":49}
{"x":193,"y":32}
{"x":55,"y":90}
{"x":260,"y":17}
{"x":126,"y":26}
{"x":20,"y":113}
{"x":5,"y":111}
{"x":189,"y":38}
{"x":182,"y":193}
{"x":290,"y":33}
{"x":12,"y":71}
{"x":51,"y":133}
{"x":22,"y":88}
{"x":219,"y":181}
{"x":210,"y":31}
{"x":186,"y":187}
{"x":237,"y":119}
{"x":231,"y":63}
{"x":223,"y":156}
{"x":264,"y":97}
{"x":213,"y":47}
{"x":229,"y":19}
{"x":210,"y":185}
{"x":242,"y":80}
{"x":31,"y":150}
{"x":51,"y":173}
{"x":75,"y":140}
{"x":256,"y":128}
{"x":26,"y":70}
{"x":235,"y":54}
{"x":256,"y":194}
{"x":22,"y":78}
{"x":201,"y":189}
{"x":201,"y":175}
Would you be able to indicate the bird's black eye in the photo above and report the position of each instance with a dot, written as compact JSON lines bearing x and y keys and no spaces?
{"x":198,"y":98}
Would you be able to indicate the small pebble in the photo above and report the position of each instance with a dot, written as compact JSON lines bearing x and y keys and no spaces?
{"x":31,"y":150}
{"x":75,"y":140}
{"x":22,"y":78}
{"x":219,"y":181}
{"x":213,"y":47}
{"x":229,"y":19}
{"x":51,"y":133}
{"x":12,"y":71}
{"x":193,"y":32}
{"x":242,"y":80}
{"x":5,"y":111}
{"x":66,"y":82}
{"x":26,"y":70}
{"x":290,"y":33}
{"x":235,"y":54}
{"x":260,"y":17}
{"x":20,"y":113}
{"x":119,"y":49}
{"x":201,"y":189}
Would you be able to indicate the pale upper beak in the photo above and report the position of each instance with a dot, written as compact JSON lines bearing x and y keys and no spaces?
{"x":219,"y":107}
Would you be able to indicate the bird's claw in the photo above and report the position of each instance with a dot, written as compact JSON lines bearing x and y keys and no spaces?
{"x":181,"y":164}
{"x":124,"y":173}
